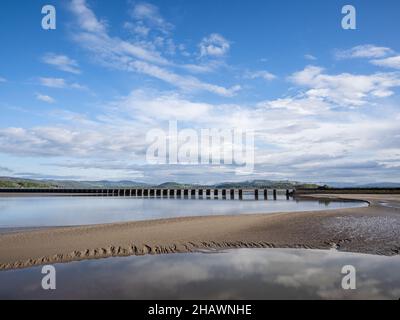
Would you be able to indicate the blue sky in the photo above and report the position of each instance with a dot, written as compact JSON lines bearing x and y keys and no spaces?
{"x":77,"y":102}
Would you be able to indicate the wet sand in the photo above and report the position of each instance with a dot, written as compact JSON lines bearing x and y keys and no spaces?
{"x":374,"y":229}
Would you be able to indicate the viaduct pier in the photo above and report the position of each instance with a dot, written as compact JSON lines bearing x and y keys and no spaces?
{"x":194,"y":193}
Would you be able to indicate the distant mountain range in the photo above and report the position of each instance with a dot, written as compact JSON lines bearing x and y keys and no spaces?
{"x":9,"y":182}
{"x":366,"y":185}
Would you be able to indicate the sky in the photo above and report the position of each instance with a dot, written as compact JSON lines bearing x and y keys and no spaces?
{"x":78,"y":102}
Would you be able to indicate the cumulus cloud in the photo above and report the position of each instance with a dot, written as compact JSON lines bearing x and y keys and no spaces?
{"x":56,"y":141}
{"x":345,"y":89}
{"x":392,"y":62}
{"x":313,"y":132}
{"x":61,"y":62}
{"x":164,"y":106}
{"x":311,"y":142}
{"x":215,"y":45}
{"x":301,"y":105}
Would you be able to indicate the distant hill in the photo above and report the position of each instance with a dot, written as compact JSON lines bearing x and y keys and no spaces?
{"x":8,"y":182}
{"x":376,"y":185}
{"x":175,"y":185}
{"x":97,"y":184}
{"x":267,"y":184}
{"x":244,"y":184}
{"x":381,"y":185}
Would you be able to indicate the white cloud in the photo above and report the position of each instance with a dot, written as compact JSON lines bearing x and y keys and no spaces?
{"x":198,"y":68}
{"x":370,"y":51}
{"x":53,"y":82}
{"x":86,"y":17}
{"x":295,"y":135}
{"x":310,"y":57}
{"x":134,"y":56}
{"x":204,"y":66}
{"x":186,"y":83}
{"x":300,"y":105}
{"x":345,"y":89}
{"x":152,"y":31}
{"x":62,"y":62}
{"x":45,"y":98}
{"x":263,"y":74}
{"x":2,"y":79}
{"x":214,"y":45}
{"x":392,"y":62}
{"x":60,"y":83}
{"x":364,"y":51}
{"x":137,"y":28}
{"x":94,"y":36}
{"x":164,"y":106}
{"x":309,"y":138}
{"x":150,"y":14}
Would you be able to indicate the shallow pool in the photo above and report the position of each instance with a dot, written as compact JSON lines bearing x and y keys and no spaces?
{"x":232,"y":274}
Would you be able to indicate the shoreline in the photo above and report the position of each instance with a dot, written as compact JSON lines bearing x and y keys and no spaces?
{"x":352,"y":229}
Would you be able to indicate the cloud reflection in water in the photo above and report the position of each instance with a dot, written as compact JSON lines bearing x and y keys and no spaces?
{"x":233,"y":274}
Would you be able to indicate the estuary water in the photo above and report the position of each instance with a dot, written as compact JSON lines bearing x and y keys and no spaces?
{"x":41,"y":211}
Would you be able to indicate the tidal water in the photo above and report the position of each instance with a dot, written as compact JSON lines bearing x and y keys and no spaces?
{"x":230,"y":274}
{"x":27,"y":212}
